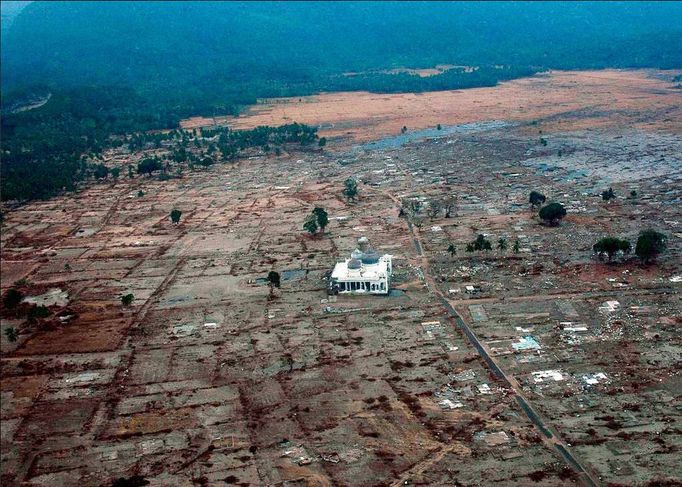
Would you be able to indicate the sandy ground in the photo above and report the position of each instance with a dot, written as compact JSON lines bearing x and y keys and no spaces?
{"x":609,"y":97}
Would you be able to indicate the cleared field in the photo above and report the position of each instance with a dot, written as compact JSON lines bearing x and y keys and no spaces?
{"x":645,"y":99}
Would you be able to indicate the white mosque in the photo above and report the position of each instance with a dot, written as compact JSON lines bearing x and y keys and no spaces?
{"x":364,"y":273}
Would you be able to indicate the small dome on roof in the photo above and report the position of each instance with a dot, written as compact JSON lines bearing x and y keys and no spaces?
{"x":363,"y":244}
{"x":356,"y":254}
{"x":354,"y":264}
{"x":370,"y":257}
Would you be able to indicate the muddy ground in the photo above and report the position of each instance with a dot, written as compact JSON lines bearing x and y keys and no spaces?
{"x":207,"y":380}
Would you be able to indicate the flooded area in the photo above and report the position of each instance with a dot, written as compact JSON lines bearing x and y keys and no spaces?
{"x":397,"y":141}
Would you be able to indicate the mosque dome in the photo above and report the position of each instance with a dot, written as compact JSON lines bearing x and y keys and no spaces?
{"x":356,"y":254}
{"x":354,"y":264}
{"x":370,"y":257}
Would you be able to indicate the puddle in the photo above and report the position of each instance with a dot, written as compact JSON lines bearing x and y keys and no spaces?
{"x":398,"y":140}
{"x":54,"y":297}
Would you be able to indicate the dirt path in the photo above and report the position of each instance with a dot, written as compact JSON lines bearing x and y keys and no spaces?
{"x":549,"y":296}
{"x":549,"y":433}
{"x":422,"y":466}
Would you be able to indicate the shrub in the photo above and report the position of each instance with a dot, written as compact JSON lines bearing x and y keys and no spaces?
{"x":12,"y":298}
{"x":611,"y":246}
{"x":649,"y":244}
{"x":608,"y":194}
{"x":536,"y":198}
{"x":552,"y":213}
{"x":350,"y":190}
{"x":11,"y":334}
{"x":175,"y":216}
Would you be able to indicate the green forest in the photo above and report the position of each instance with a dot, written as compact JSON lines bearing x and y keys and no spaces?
{"x":124,"y":67}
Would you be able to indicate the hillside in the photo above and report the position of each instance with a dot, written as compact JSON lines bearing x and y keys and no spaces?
{"x":269,"y":47}
{"x":119,"y":67}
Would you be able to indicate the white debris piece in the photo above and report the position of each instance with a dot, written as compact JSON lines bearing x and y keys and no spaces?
{"x":449,"y":404}
{"x":543,"y":375}
{"x":211,"y":325}
{"x":596,"y":378}
{"x":575,"y":329}
{"x":85,"y":377}
{"x":436,"y":228}
{"x":609,"y":306}
{"x":484,"y":389}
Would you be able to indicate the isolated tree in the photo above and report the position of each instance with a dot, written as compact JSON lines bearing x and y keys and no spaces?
{"x":11,"y":334}
{"x":127,"y":299}
{"x":536,"y":198}
{"x":101,"y":171}
{"x":322,"y":217}
{"x":608,"y":194}
{"x":610,"y":246}
{"x":148,"y":166}
{"x":35,"y":312}
{"x":175,"y":216}
{"x":649,"y":245}
{"x":310,"y":224}
{"x":322,"y":142}
{"x":449,"y":205}
{"x":517,"y":246}
{"x":552,"y":213}
{"x":130,"y":172}
{"x":350,"y":190}
{"x":434,"y":208}
{"x":438,"y":127}
{"x":502,"y":244}
{"x":140,"y":194}
{"x":273,"y":281}
{"x":415,"y":205}
{"x":481,"y":243}
{"x":633,"y":194}
{"x":206,"y":162}
{"x":12,"y":298}
{"x":452,"y":250}
{"x":274,"y":278}
{"x":116,"y":172}
{"x":403,"y":130}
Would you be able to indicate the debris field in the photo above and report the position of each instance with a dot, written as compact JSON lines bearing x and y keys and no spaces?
{"x":536,"y":364}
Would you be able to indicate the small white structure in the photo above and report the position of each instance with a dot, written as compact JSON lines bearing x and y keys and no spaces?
{"x":364,"y":273}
